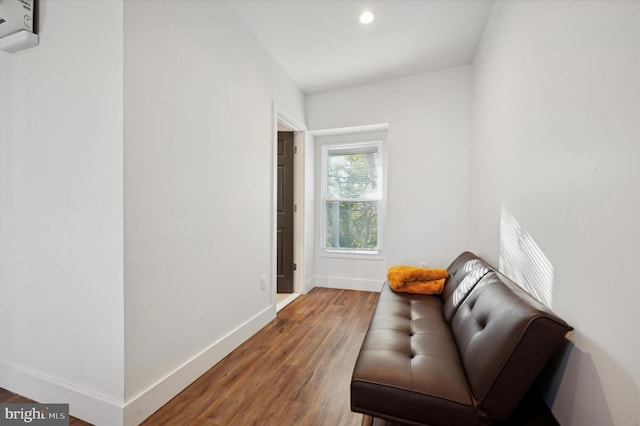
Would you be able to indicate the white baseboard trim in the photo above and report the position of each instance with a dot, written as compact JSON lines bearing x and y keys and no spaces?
{"x":101,"y":410}
{"x":147,"y":402}
{"x":83,"y":403}
{"x":309,"y":284}
{"x":349,"y":283}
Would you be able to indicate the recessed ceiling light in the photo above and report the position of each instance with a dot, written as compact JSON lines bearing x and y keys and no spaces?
{"x":367,"y":17}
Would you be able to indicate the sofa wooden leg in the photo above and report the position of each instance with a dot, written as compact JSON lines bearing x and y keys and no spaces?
{"x":367,"y":420}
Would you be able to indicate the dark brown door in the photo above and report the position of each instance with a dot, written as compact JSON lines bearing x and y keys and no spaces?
{"x":285,"y":212}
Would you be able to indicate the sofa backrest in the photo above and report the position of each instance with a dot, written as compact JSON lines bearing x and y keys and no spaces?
{"x":505,"y":337}
{"x":464,"y":273}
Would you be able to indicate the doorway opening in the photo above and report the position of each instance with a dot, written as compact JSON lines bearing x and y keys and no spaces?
{"x":285,"y":210}
{"x":288,"y":236}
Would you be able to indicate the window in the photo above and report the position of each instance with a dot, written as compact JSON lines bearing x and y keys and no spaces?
{"x":352,"y":196}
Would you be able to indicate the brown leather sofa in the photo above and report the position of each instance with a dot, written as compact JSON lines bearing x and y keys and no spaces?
{"x":465,"y":357}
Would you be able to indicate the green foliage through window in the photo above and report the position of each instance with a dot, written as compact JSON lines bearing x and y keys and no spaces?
{"x":353,"y":196}
{"x":352,"y":224}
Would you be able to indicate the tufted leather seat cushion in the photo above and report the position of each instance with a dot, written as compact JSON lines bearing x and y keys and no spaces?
{"x":409,"y":367}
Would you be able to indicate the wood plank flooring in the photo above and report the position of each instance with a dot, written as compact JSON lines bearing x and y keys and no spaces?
{"x":295,"y":371}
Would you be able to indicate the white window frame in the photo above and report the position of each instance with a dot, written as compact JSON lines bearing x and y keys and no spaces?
{"x":348,"y":141}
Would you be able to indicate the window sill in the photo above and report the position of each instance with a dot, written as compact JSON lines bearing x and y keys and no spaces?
{"x":351,"y":254}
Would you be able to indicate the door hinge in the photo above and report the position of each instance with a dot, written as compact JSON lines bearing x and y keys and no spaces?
{"x":295,"y":149}
{"x":295,"y":208}
{"x":295,"y":266}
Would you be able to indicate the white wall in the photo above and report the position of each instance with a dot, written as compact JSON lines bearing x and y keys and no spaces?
{"x":428,"y":150}
{"x":179,"y":97}
{"x":61,"y":200}
{"x":556,"y":132}
{"x":199,"y":171}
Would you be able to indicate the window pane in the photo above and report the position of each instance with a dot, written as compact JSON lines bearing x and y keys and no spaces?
{"x":354,"y":173}
{"x":352,"y":224}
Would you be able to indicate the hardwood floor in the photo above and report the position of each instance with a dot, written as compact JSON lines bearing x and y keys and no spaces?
{"x":295,"y":371}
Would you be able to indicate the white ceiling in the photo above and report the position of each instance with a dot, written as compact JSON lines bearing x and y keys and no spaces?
{"x":321,"y":45}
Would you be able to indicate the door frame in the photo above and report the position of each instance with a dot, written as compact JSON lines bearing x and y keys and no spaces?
{"x":299,"y":136}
